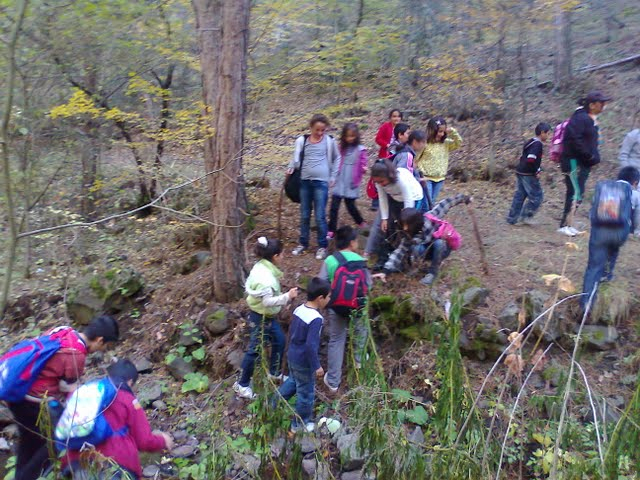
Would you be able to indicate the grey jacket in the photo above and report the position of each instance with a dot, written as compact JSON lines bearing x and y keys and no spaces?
{"x":327,"y":172}
{"x":630,"y":150}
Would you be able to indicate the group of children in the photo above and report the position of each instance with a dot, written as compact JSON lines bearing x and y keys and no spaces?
{"x":39,"y":376}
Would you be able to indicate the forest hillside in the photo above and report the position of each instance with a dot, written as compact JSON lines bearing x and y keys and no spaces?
{"x":144,"y":150}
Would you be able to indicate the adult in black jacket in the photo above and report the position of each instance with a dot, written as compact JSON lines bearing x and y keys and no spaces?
{"x":580,"y":153}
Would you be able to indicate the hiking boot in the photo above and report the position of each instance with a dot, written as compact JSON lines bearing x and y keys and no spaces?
{"x":321,"y":253}
{"x":568,"y":231}
{"x":279,"y":378}
{"x":244,"y":392}
{"x":326,"y":382}
{"x":299,"y":250}
{"x":428,"y":279}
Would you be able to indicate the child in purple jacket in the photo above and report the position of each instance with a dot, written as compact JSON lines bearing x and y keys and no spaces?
{"x":350,"y":173}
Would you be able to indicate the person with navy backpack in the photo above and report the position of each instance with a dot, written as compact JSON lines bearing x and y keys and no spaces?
{"x":611,"y":221}
{"x":120,"y":429}
{"x":43,"y":371}
{"x":350,"y":279}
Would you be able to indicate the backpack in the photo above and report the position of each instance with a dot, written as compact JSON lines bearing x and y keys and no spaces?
{"x":555,"y":152}
{"x":21,"y":366}
{"x":611,"y":204}
{"x":292,"y":182}
{"x":349,"y":287}
{"x":83,"y":422}
{"x":372,"y":191}
{"x":445,"y":231}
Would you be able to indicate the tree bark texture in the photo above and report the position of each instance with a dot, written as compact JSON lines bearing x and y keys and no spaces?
{"x":12,"y":241}
{"x":223,"y":31}
{"x":562,"y":59}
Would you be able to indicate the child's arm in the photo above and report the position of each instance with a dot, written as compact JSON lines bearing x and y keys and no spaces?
{"x":312,"y":345}
{"x":362,"y":168}
{"x":627,"y":144}
{"x":294,"y":164}
{"x":384,"y":202}
{"x":140,"y":430}
{"x":454,"y":140}
{"x":271,"y":300}
{"x":442,"y":207}
{"x":382,"y":137}
{"x":335,"y":166}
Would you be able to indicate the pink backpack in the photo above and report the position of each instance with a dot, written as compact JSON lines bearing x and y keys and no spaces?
{"x":445,"y":231}
{"x":555,"y":152}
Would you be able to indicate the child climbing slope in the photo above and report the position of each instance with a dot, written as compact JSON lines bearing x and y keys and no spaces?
{"x":265,"y":301}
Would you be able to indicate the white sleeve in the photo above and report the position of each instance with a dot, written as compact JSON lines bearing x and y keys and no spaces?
{"x":407,"y":191}
{"x":384,"y":202}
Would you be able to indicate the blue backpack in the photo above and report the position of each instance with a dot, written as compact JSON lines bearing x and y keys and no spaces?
{"x":612,"y":204}
{"x":21,"y":365}
{"x":83,"y":422}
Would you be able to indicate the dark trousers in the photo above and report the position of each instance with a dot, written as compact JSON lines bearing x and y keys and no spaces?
{"x":335,"y":208}
{"x":435,"y":252}
{"x":604,"y":246}
{"x":302,"y":383}
{"x":575,"y":183}
{"x":32,"y":455}
{"x":263,"y":329}
{"x":527,"y":188}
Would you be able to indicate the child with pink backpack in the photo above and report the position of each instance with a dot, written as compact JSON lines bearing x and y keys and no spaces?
{"x":427,"y":237}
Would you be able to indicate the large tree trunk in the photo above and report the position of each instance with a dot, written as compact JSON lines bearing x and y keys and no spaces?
{"x":562,"y":61}
{"x":223,"y":27}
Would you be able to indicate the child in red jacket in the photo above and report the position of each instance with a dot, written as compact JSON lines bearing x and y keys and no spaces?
{"x":124,"y":414}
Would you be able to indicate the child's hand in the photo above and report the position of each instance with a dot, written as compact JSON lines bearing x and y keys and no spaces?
{"x":380,"y":276}
{"x":293,"y":293}
{"x":468,"y":199}
{"x":168,"y":440}
{"x":289,"y":171}
{"x":383,"y":225}
{"x":320,"y":372}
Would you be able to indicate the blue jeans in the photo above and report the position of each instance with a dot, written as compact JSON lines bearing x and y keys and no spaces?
{"x":313,"y":193}
{"x":436,"y":251}
{"x":604,"y":245}
{"x":433,"y":190}
{"x":269,"y":329}
{"x":527,"y":188}
{"x":301,"y":382}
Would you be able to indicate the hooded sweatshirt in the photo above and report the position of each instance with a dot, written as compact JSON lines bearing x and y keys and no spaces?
{"x":264,"y":295}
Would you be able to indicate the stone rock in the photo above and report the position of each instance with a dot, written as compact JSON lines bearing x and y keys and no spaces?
{"x":5,"y":415}
{"x":235,"y":358}
{"x":143,"y":365}
{"x":111,"y":291}
{"x":554,"y":329}
{"x":310,"y":466}
{"x":4,"y":445}
{"x":180,"y":435}
{"x":184,"y":451}
{"x":249,"y":464}
{"x":149,"y":393}
{"x":10,"y":431}
{"x":159,"y":405}
{"x":197,"y":260}
{"x":350,"y":456}
{"x":179,"y":368}
{"x":150,"y":471}
{"x":277,"y":447}
{"x":190,"y":336}
{"x":600,"y":337}
{"x":216,"y":321}
{"x":474,"y":297}
{"x":417,"y":436}
{"x":485,"y":340}
{"x":534,"y":303}
{"x":308,"y":445}
{"x":353,"y":475}
{"x":508,"y":318}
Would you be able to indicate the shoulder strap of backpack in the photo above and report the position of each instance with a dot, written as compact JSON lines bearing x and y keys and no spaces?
{"x":340,"y":257}
{"x":305,"y":137}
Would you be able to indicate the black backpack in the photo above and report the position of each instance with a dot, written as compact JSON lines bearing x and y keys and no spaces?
{"x":349,"y":287}
{"x":612,"y":204}
{"x":292,"y":182}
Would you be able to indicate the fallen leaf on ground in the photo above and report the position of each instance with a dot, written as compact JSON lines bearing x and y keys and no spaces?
{"x":514,"y":363}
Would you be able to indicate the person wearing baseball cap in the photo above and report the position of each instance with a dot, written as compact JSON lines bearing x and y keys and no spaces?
{"x":580,"y":153}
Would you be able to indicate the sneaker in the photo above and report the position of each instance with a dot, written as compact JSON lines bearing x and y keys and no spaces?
{"x":308,"y":427}
{"x":299,"y":250}
{"x":576,"y":231}
{"x":607,"y":278}
{"x":244,"y":392}
{"x":530,"y":221}
{"x":428,"y":279}
{"x":330,"y":235}
{"x":326,"y":382}
{"x":321,"y":254}
{"x":279,"y":378}
{"x":568,"y":231}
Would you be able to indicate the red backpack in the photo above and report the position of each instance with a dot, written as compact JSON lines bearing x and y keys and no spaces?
{"x":349,"y":287}
{"x":555,"y":152}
